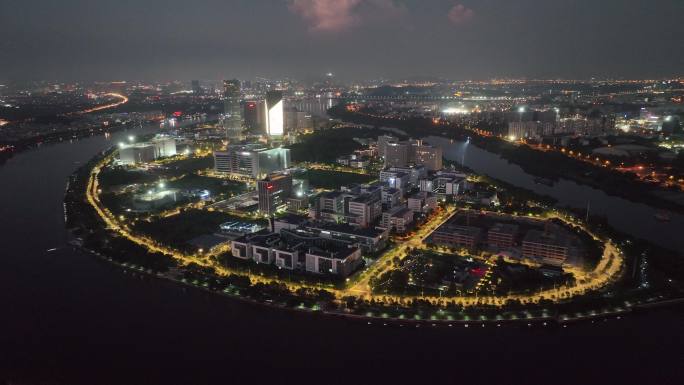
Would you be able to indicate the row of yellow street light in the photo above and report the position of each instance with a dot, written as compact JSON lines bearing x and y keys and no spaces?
{"x":606,"y":271}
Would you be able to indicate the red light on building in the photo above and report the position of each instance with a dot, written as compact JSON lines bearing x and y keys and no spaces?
{"x":177,"y":114}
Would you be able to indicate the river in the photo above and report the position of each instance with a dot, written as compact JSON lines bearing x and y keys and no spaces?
{"x":626,"y":216}
{"x":67,"y":318}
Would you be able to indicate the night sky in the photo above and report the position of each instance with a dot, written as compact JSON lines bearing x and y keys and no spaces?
{"x":355,"y":39}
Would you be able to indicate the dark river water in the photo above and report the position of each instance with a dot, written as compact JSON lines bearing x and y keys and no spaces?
{"x":67,"y":318}
{"x":627,"y":216}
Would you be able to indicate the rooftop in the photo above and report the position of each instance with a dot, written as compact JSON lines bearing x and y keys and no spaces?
{"x":548,"y":238}
{"x":293,"y":219}
{"x":504,"y":228}
{"x":462,"y":230}
{"x":401,"y":212}
{"x":346,"y":229}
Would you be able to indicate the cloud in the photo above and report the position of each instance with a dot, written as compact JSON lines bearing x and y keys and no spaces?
{"x":387,"y":9}
{"x":327,"y":15}
{"x":340,"y":15}
{"x":459,"y":14}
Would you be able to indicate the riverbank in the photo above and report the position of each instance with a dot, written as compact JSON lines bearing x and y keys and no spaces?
{"x":523,"y":317}
{"x":62,"y":305}
{"x":57,"y":137}
{"x":270,"y":290}
{"x":538,"y":163}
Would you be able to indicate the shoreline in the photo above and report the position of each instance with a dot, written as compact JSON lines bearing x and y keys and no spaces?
{"x":639,"y":192}
{"x":456,"y":303}
{"x":557,"y":320}
{"x":59,"y":137}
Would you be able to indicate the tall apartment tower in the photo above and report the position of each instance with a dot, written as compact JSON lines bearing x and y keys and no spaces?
{"x":232,"y":121}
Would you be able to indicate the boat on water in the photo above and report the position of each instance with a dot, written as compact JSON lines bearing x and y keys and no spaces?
{"x":663,"y":216}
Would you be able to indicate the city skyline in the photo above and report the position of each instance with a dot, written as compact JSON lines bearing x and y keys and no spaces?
{"x":355,"y":39}
{"x":423,"y":191}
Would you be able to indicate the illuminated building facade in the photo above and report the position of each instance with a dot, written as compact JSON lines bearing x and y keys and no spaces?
{"x":251,"y":115}
{"x":550,"y":248}
{"x":273,"y":192}
{"x":274,"y":113}
{"x":251,"y":160}
{"x":232,"y":120}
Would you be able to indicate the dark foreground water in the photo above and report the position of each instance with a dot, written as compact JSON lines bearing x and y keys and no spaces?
{"x":68,"y":318}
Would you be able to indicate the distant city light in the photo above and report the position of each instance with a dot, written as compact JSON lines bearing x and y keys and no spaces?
{"x":455,"y":111}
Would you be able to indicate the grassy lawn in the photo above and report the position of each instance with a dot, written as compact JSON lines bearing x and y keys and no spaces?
{"x":333,"y":179}
{"x":110,"y":177}
{"x":326,"y":146}
{"x":215,"y":186}
{"x":188,"y":165}
{"x":177,"y":230}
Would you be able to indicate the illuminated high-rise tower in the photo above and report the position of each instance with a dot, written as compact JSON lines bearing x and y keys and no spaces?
{"x":274,"y":113}
{"x":232,"y":120}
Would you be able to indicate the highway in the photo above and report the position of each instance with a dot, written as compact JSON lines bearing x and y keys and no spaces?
{"x":123,"y":100}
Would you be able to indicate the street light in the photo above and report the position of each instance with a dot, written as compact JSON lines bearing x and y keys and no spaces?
{"x":131,"y":138}
{"x":521,"y":111}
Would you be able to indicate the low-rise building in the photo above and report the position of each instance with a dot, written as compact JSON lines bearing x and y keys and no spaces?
{"x":450,"y":235}
{"x":395,"y":179}
{"x":398,"y":219}
{"x":296,"y":204}
{"x":422,"y":202}
{"x":549,"y":247}
{"x":502,"y":235}
{"x":299,"y":250}
{"x":391,"y":197}
{"x":289,"y":222}
{"x":359,"y":162}
{"x":415,"y":173}
{"x":363,"y":210}
{"x":251,"y":160}
{"x":164,"y":146}
{"x":242,"y":247}
{"x":370,"y":240}
{"x":443,"y":185}
{"x":137,"y":153}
